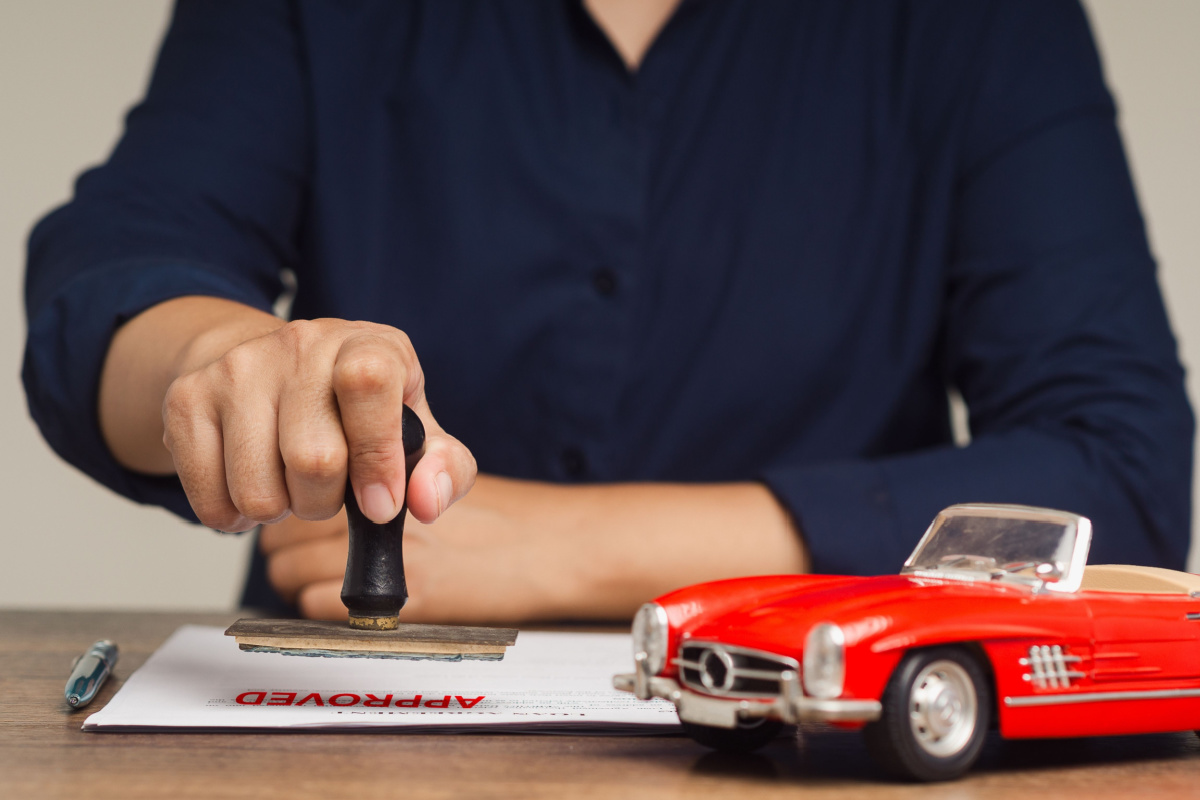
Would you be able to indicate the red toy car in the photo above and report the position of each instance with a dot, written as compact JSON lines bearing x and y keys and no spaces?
{"x":994,"y":621}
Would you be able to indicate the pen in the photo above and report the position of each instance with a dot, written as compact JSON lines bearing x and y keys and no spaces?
{"x":89,"y":673}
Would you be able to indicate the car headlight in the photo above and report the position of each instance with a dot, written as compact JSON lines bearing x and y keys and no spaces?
{"x":825,"y":661}
{"x":650,"y":632}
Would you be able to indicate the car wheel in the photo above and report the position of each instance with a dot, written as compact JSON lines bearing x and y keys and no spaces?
{"x":745,"y":738}
{"x":936,"y":711}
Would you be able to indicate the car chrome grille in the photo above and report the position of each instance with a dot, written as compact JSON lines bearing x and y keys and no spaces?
{"x":719,"y":669}
{"x":1050,"y":667}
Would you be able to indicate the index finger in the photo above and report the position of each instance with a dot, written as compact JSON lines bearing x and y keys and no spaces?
{"x":370,"y":378}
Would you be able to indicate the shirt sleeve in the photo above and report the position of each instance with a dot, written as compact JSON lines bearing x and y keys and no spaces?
{"x":1054,"y":329}
{"x":201,"y":196}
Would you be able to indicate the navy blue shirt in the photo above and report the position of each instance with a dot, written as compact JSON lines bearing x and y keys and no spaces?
{"x":765,"y":256}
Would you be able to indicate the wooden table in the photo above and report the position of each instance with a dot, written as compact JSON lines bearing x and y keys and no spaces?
{"x":43,"y":753}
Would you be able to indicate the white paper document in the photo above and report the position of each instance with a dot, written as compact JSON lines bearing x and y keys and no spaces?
{"x":547,"y":682}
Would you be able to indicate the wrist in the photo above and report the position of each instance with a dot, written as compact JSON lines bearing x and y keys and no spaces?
{"x":148,"y":353}
{"x":214,"y":327}
{"x":539,"y":527}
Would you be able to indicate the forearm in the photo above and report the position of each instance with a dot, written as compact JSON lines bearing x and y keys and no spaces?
{"x":607,"y":549}
{"x":152,"y":350}
{"x":517,"y":551}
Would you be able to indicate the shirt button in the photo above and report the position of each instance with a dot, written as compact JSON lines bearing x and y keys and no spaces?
{"x":604,"y":281}
{"x":574,"y":462}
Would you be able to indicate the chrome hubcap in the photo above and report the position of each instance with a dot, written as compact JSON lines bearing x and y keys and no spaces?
{"x":943,"y":708}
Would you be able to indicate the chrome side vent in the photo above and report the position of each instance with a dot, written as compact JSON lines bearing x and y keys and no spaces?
{"x":1050,"y":667}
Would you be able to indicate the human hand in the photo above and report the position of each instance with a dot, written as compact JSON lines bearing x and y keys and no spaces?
{"x":517,"y":551}
{"x":272,"y":426}
{"x":485,"y":561}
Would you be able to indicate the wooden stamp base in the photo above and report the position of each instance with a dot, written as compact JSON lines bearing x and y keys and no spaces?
{"x":333,"y":639}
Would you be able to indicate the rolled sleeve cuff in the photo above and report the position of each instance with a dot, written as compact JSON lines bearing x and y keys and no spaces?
{"x":846,"y":515}
{"x":68,"y":342}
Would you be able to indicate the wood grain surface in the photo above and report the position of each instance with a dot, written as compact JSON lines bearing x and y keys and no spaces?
{"x":43,"y":753}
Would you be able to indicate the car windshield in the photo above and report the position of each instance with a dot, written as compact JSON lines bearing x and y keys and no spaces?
{"x":1024,"y":545}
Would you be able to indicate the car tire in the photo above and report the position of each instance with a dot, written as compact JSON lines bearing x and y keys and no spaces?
{"x":745,"y":738}
{"x":936,"y":711}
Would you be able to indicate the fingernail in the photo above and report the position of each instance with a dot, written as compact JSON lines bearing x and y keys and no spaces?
{"x":377,"y":503}
{"x":445,"y":490}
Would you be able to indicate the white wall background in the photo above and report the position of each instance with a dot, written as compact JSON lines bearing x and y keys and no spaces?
{"x":70,"y":68}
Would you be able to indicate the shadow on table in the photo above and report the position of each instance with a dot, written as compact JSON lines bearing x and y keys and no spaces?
{"x":817,"y":756}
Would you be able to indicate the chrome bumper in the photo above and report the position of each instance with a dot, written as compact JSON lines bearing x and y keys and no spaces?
{"x":791,"y":707}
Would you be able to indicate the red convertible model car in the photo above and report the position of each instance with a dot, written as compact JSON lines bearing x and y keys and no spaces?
{"x":994,"y":621}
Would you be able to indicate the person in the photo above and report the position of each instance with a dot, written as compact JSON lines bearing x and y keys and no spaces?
{"x":687,"y":284}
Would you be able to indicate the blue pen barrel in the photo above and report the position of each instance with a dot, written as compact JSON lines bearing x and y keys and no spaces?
{"x":89,"y":673}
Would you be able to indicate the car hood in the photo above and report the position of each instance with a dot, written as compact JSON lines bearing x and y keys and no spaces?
{"x":870,"y":610}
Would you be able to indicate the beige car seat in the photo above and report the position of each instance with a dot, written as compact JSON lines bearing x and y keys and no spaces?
{"x":1127,"y":578}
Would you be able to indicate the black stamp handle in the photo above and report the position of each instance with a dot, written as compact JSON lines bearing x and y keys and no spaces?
{"x":374,"y":590}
